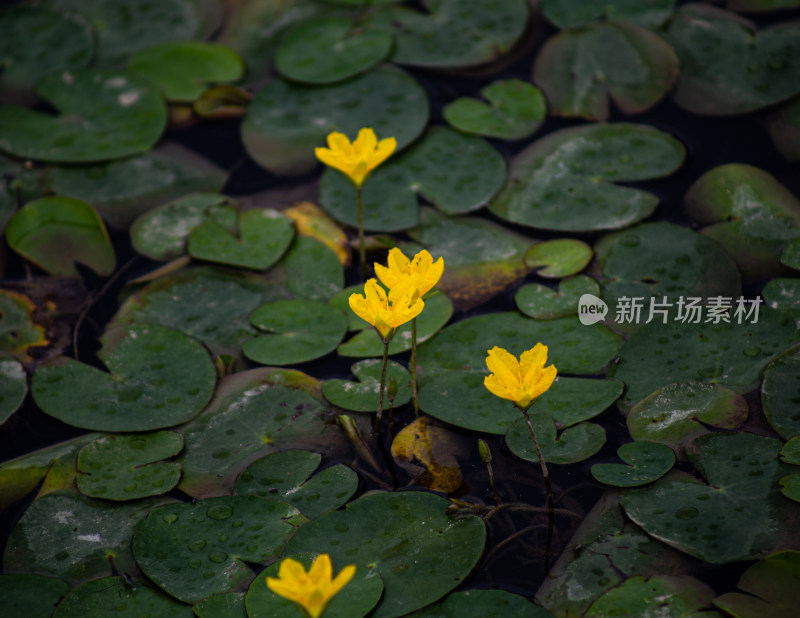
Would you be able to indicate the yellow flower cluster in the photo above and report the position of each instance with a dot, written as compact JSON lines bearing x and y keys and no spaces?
{"x":313,"y":590}
{"x":358,"y":159}
{"x":521,"y":380}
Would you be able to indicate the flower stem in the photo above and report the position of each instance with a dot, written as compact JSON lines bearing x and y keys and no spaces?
{"x":361,"y":250}
{"x":548,"y":488}
{"x":413,"y":366}
{"x":378,"y":416}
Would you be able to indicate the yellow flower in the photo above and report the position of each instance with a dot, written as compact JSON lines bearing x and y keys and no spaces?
{"x":520,"y":381}
{"x":387,"y":312}
{"x":312,"y":590}
{"x":358,"y":159}
{"x":424,"y":272}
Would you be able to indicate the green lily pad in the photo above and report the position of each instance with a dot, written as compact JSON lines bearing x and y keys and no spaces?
{"x":226,"y":605}
{"x":18,"y":332}
{"x":461,"y":399}
{"x":119,"y":34}
{"x":783,"y":295}
{"x":729,"y":68}
{"x":580,"y":70}
{"x":456,"y":173}
{"x":38,"y":41}
{"x":255,"y":413}
{"x":71,"y":536}
{"x":13,"y":387}
{"x":790,"y":254}
{"x":543,"y":303}
{"x":768,"y":588}
{"x":790,"y":486}
{"x":161,"y":233}
{"x":730,"y":354}
{"x":678,"y":412}
{"x":362,"y":396}
{"x":738,"y":515}
{"x":34,"y":596}
{"x":571,"y":445}
{"x":210,"y":304}
{"x":124,"y":467}
{"x":296,"y":331}
{"x":783,"y":125}
{"x":115,"y":596}
{"x":437,"y":312}
{"x":451,"y":34}
{"x":195,"y":550}
{"x":779,"y":393}
{"x":515,"y":109}
{"x":264,"y":235}
{"x":790,"y":453}
{"x":385,"y":533}
{"x":494,"y":263}
{"x":158,"y":378}
{"x":668,"y":595}
{"x":749,"y":213}
{"x":482,"y":604}
{"x":646,"y":462}
{"x":355,"y":600}
{"x":122,"y":190}
{"x":285,"y":122}
{"x":286,"y":476}
{"x":182,"y":69}
{"x":563,"y":181}
{"x":56,"y":232}
{"x":576,"y":13}
{"x":103,"y":116}
{"x":559,"y":258}
{"x":325,"y":50}
{"x":313,"y":270}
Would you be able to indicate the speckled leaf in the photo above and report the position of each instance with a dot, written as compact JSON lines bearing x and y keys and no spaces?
{"x":515,"y":109}
{"x":18,"y":332}
{"x":255,"y":413}
{"x":313,"y":271}
{"x":437,"y":312}
{"x":13,"y":387}
{"x":543,"y":303}
{"x":161,"y":233}
{"x":678,"y":412}
{"x":783,"y":295}
{"x":362,"y":396}
{"x":730,"y":354}
{"x":494,"y":263}
{"x":456,"y":173}
{"x":575,"y":13}
{"x":226,"y":605}
{"x":115,"y":596}
{"x":783,"y":124}
{"x":430,"y":454}
{"x":646,"y":462}
{"x":286,"y":476}
{"x":559,"y":258}
{"x":103,"y":116}
{"x":285,"y":122}
{"x":37,"y":41}
{"x":749,"y":213}
{"x":383,"y":532}
{"x":194,"y":550}
{"x":71,"y":536}
{"x":670,"y":596}
{"x":452,"y":34}
{"x":122,"y":190}
{"x":580,"y":70}
{"x":355,"y":600}
{"x":294,"y":331}
{"x":729,"y":68}
{"x":768,"y":588}
{"x":263,"y":236}
{"x":182,"y":69}
{"x":56,"y":232}
{"x":738,"y":515}
{"x":563,"y":181}
{"x":158,"y":377}
{"x":125,"y":467}
{"x":326,"y":50}
{"x":571,"y":445}
{"x":780,"y":393}
{"x":210,"y":304}
{"x":482,"y":604}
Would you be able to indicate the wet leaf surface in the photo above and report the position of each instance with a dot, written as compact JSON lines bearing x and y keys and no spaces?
{"x":646,"y":462}
{"x":115,"y":596}
{"x":362,"y":396}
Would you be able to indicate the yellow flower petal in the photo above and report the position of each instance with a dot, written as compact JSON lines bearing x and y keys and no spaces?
{"x":365,"y":143}
{"x":504,"y":365}
{"x":358,"y":159}
{"x":314,"y":590}
{"x":520,"y":381}
{"x":383,"y":151}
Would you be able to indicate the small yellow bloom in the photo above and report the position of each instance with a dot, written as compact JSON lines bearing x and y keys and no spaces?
{"x":387,"y":312}
{"x":313,"y":590}
{"x":520,"y":381}
{"x":424,"y":272}
{"x":358,"y":159}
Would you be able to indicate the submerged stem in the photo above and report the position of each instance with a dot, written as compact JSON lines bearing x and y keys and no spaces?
{"x":361,"y":250}
{"x":378,"y":416}
{"x":413,"y":366}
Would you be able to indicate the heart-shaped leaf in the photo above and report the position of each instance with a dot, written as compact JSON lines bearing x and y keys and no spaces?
{"x":666,"y":594}
{"x":362,"y":396}
{"x":115,"y":596}
{"x":543,"y":303}
{"x":559,"y":258}
{"x":768,"y":588}
{"x":158,"y":378}
{"x":572,"y":445}
{"x":646,"y":462}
